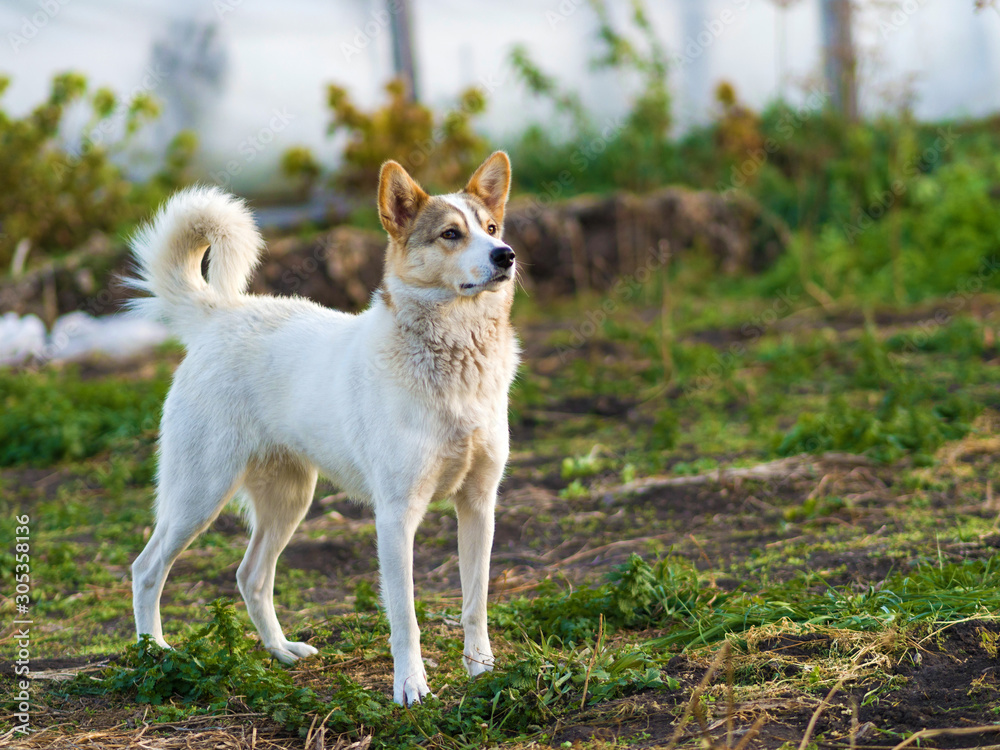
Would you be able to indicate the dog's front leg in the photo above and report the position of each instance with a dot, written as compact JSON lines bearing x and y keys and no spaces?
{"x":475,"y":506}
{"x":396,"y":527}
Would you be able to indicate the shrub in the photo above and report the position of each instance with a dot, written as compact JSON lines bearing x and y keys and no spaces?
{"x":438,"y":152}
{"x":633,"y":153}
{"x":54,"y":196}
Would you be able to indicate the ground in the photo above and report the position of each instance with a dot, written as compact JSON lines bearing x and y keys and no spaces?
{"x":813,"y":493}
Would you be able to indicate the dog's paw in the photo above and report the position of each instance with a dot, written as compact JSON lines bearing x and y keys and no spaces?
{"x":411,"y":690}
{"x":291,"y":651}
{"x":157,"y":639}
{"x":481,"y":662}
{"x":301,"y":650}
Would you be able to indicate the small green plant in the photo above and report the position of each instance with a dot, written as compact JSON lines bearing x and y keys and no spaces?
{"x":665,"y":431}
{"x":578,"y":467}
{"x":989,"y":640}
{"x":691,"y":468}
{"x":365,"y":597}
{"x":219,"y":663}
{"x":636,"y":595}
{"x":815,"y":507}
{"x":574,"y":491}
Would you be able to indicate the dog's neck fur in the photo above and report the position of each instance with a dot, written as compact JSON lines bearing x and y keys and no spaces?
{"x":448,"y":340}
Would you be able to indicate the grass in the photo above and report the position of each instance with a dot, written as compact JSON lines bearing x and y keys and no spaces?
{"x":559,"y":660}
{"x":54,"y":415}
{"x":611,"y":605}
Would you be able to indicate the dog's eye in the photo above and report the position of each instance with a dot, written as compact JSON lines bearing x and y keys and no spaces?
{"x":492,"y":229}
{"x":449,"y":234}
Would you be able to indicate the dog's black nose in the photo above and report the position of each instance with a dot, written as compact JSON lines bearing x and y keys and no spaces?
{"x":502,"y":257}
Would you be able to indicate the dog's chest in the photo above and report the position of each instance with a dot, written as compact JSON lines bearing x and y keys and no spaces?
{"x":456,"y":460}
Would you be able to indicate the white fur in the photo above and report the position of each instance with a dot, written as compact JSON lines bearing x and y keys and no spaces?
{"x":398,"y":405}
{"x":169,"y":251}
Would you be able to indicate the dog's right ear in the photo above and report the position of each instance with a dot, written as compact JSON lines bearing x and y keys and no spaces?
{"x":399,"y":199}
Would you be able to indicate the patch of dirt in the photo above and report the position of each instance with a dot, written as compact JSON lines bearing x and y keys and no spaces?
{"x":229,"y":524}
{"x":862,"y":568}
{"x":140,"y":367}
{"x":332,"y":557}
{"x":652,"y":719}
{"x":36,"y":486}
{"x":65,"y":662}
{"x":955,"y":683}
{"x":806,"y":645}
{"x":602,"y":406}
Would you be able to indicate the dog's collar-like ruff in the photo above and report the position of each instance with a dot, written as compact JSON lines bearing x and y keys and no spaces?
{"x":420,"y":322}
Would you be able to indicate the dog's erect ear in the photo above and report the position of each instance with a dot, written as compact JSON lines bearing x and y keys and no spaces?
{"x":491,"y":184}
{"x":399,"y":199}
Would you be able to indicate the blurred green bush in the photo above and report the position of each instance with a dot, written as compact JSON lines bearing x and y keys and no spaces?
{"x":54,"y":193}
{"x":438,"y":151}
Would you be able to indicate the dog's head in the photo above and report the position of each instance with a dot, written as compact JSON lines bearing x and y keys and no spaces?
{"x":448,"y":242}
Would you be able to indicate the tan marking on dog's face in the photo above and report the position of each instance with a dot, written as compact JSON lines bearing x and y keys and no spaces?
{"x":449,"y":247}
{"x":425,"y":258}
{"x":438,"y":217}
{"x":483,"y":215}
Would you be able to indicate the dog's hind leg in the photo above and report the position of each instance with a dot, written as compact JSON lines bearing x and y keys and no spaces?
{"x":192,"y":490}
{"x":280,"y":489}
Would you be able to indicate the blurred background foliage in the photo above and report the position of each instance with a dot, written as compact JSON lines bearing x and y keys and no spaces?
{"x":54,"y":192}
{"x":889,"y":209}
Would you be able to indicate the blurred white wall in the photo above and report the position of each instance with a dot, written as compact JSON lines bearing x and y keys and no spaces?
{"x":279,"y":56}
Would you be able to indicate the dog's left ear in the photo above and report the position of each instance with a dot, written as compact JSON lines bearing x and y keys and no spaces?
{"x":491,"y":184}
{"x":400,"y":198}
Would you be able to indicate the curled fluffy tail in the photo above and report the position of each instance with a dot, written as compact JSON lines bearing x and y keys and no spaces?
{"x":169,"y":251}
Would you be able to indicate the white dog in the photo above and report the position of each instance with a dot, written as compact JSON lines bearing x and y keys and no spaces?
{"x":401,"y":404}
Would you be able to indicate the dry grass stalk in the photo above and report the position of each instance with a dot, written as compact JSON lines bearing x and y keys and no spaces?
{"x":696,"y":695}
{"x":816,"y":714}
{"x":957,"y":732}
{"x":593,"y":659}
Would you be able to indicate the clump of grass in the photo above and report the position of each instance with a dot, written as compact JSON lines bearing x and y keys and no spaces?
{"x":54,"y":415}
{"x":667,"y":594}
{"x":914,"y":415}
{"x":216,"y":664}
{"x":636,"y":594}
{"x":546,"y":680}
{"x":576,"y":467}
{"x":928,"y":593}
